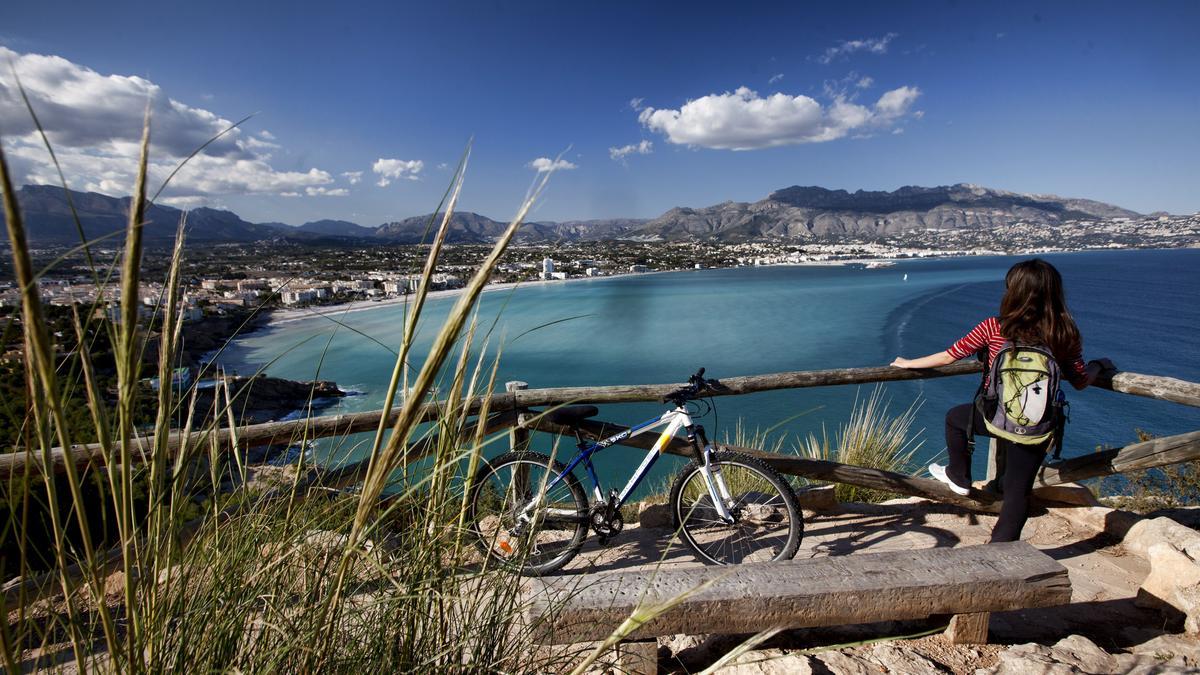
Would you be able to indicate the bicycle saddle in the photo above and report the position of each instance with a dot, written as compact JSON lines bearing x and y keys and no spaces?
{"x":572,"y":415}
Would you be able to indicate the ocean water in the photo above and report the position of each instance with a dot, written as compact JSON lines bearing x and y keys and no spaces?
{"x":1139,"y":308}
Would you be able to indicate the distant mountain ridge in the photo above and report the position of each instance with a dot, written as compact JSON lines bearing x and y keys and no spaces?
{"x":800,"y":212}
{"x":793,"y":213}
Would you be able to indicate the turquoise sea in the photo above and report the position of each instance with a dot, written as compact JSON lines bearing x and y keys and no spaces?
{"x":1139,"y":308}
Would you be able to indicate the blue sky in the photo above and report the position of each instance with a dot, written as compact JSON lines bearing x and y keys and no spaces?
{"x":731,"y":101}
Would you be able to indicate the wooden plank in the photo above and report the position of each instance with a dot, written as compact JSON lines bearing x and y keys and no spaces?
{"x":969,"y":629}
{"x":828,"y":591}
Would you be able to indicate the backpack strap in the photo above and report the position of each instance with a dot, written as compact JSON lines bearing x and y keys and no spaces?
{"x":981,"y":355}
{"x":1062,"y":409}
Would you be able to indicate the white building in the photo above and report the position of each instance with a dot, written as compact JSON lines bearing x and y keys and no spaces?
{"x":547,"y":268}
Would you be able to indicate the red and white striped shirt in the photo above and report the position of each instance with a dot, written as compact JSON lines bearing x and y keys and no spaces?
{"x":988,"y":333}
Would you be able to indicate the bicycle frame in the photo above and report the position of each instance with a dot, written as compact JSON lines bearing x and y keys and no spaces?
{"x":674,"y":420}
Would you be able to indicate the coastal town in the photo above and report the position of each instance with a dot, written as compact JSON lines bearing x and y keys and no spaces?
{"x":236,"y":276}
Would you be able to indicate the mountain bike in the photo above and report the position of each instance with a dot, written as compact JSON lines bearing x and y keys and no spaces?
{"x":529,"y":512}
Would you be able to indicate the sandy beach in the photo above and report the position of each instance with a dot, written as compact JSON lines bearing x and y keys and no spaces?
{"x":283,"y":316}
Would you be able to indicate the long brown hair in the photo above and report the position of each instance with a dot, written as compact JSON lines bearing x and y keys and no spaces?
{"x":1034,"y":309}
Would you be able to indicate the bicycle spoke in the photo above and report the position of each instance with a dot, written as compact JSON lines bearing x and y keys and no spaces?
{"x":522,"y":520}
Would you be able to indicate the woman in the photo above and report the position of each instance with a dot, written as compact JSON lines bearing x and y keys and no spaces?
{"x":1033,"y":311}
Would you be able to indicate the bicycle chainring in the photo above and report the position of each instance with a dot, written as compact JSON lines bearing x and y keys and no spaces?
{"x":606,"y":522}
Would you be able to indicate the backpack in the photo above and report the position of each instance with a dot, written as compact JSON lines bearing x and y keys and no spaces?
{"x":1021,"y":400}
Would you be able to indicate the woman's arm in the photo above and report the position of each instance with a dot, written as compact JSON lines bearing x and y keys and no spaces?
{"x":931,"y":361}
{"x":1092,"y":370}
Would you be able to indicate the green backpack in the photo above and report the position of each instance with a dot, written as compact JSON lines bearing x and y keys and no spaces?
{"x":1021,"y":399}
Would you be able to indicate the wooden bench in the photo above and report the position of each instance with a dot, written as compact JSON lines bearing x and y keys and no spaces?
{"x":967,"y":583}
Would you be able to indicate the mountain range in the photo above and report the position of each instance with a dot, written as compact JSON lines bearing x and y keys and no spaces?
{"x":794,"y":213}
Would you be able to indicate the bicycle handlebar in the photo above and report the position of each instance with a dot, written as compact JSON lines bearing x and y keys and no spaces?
{"x":696,"y":387}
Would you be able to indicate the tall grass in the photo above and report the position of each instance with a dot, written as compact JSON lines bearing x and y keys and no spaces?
{"x":873,"y":438}
{"x":279,"y":579}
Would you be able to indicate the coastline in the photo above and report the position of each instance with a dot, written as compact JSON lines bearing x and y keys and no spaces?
{"x":281,"y":316}
{"x":285,"y":316}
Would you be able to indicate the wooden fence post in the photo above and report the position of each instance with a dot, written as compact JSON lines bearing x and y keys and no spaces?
{"x":518,"y":435}
{"x":995,"y":467}
{"x":518,"y":440}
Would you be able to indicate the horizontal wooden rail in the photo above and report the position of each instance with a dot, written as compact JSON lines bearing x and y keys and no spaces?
{"x":794,"y":465}
{"x":257,"y":435}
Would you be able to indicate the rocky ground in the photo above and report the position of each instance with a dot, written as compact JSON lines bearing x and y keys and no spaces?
{"x":1113,"y":625}
{"x":264,"y":399}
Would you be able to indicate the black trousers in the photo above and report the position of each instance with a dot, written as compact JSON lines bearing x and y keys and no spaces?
{"x":1020,"y":469}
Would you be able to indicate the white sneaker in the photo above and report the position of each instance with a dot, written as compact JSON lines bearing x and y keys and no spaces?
{"x":939,"y":473}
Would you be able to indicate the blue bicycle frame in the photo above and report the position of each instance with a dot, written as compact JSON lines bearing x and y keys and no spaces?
{"x":674,"y":420}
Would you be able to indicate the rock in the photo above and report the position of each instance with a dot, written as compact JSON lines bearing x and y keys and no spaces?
{"x":1173,"y":584}
{"x":772,"y":662}
{"x":818,"y":499}
{"x":657,"y":516}
{"x":1067,"y":493}
{"x":1168,"y":647}
{"x":1146,"y":533}
{"x":845,"y":663}
{"x":894,"y":658}
{"x":1100,"y":519}
{"x":1077,"y":654}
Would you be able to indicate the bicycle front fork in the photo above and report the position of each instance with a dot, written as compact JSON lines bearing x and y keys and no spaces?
{"x":718,"y":491}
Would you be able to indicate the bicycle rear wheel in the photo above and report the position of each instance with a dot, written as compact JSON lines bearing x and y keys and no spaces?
{"x":768,"y":525}
{"x":534,"y":536}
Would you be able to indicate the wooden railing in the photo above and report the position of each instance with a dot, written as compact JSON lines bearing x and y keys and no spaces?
{"x":1150,"y":386}
{"x":512,"y":410}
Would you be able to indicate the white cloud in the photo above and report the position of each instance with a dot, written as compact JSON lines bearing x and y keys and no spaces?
{"x":543,"y":164}
{"x":636,"y":103}
{"x":443,"y":166}
{"x":865,"y":82}
{"x":396,"y":169}
{"x":775,"y":78}
{"x":643,"y":148}
{"x":266,"y":135}
{"x":352,"y":177}
{"x":326,"y":192}
{"x":743,"y":120}
{"x":94,"y":122}
{"x":896,"y":102}
{"x":877,"y":45}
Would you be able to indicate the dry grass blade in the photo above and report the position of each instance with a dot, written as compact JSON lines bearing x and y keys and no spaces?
{"x":414,"y":315}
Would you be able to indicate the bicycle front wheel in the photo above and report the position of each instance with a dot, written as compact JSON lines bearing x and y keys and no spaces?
{"x":767,"y":523}
{"x":527,"y":513}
